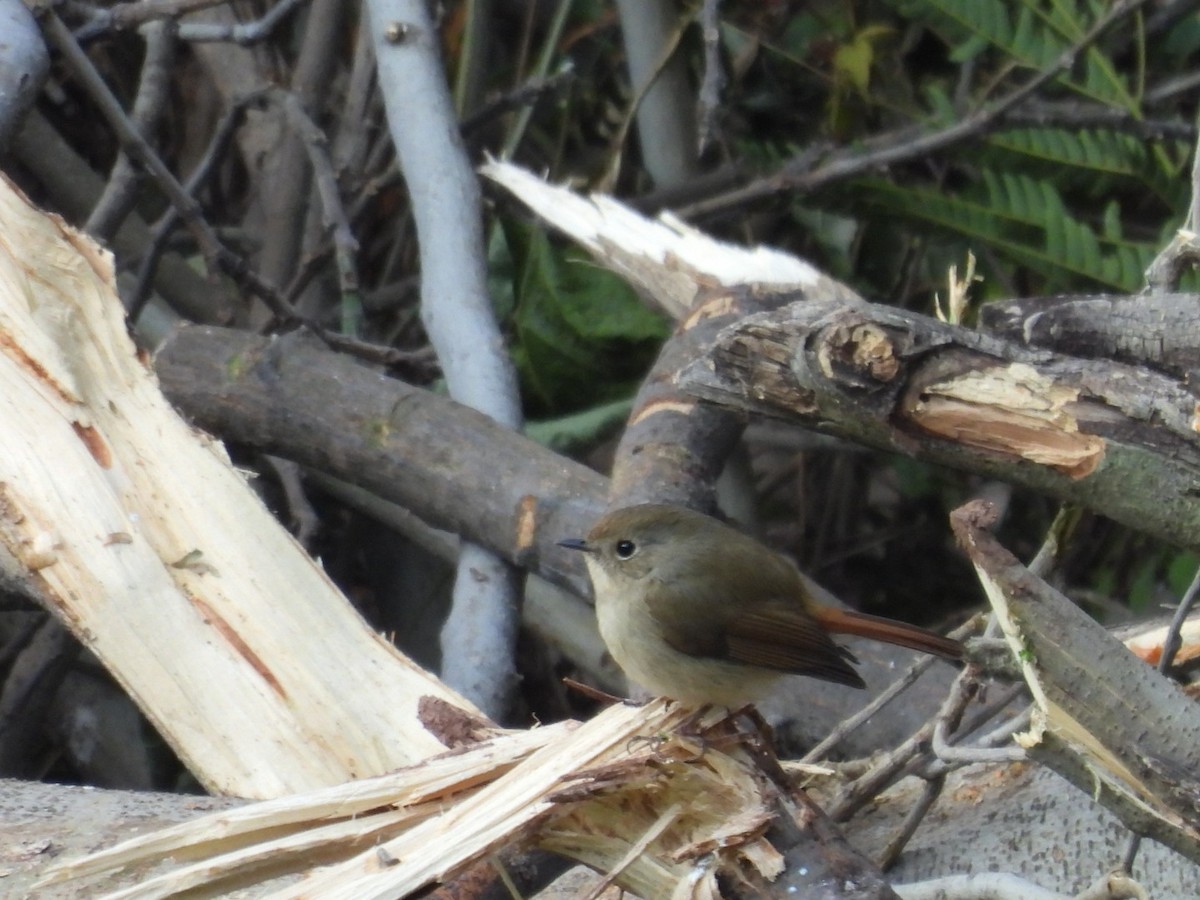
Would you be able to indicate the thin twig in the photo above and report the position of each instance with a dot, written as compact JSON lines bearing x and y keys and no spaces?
{"x":305,"y":521}
{"x":131,"y":15}
{"x":930,"y":791}
{"x":1172,"y":642}
{"x":949,"y":717}
{"x":152,"y":93}
{"x":1057,"y":536}
{"x":285,"y":196}
{"x":215,"y":151}
{"x":244,"y":34}
{"x":1082,"y":116}
{"x":708,"y":99}
{"x":541,"y":69}
{"x":881,"y":774}
{"x":850,"y":723}
{"x":217,"y":255}
{"x":948,"y":752}
{"x":333,"y":215}
{"x":525,"y":95}
{"x":929,"y":766}
{"x":1003,"y":732}
{"x":883,"y":771}
{"x":897,"y":687}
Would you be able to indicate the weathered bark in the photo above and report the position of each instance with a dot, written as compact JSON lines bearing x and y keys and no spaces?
{"x":1115,"y":439}
{"x":1105,"y":720}
{"x":1161,"y":331}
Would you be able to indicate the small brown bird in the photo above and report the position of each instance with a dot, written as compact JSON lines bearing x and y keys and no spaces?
{"x":696,"y":610}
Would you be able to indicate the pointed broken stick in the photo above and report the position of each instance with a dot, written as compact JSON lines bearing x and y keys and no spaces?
{"x":1103,"y":719}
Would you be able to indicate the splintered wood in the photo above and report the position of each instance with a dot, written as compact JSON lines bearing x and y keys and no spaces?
{"x":1010,"y":409}
{"x":665,"y":259}
{"x":142,"y":538}
{"x":625,"y":792}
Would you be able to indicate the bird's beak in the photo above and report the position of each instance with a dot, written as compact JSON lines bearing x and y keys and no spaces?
{"x":576,"y":544}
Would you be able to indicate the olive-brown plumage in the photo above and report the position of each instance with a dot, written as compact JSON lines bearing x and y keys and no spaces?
{"x":696,"y":610}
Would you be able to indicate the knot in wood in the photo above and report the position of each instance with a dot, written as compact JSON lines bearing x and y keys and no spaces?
{"x":862,"y":350}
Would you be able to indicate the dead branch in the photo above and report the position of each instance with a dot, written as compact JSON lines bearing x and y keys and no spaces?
{"x":1112,"y":438}
{"x":1156,"y":330}
{"x":295,"y":398}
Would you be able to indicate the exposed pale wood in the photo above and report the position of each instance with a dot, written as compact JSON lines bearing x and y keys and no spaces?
{"x":138,"y":533}
{"x":666,"y":259}
{"x":290,"y":832}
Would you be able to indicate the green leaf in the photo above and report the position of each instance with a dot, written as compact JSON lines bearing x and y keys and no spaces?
{"x":1180,"y":572}
{"x":580,"y":335}
{"x":1028,"y":34}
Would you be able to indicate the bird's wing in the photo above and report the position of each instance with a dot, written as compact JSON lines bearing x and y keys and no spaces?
{"x":783,"y":635}
{"x":765,"y":624}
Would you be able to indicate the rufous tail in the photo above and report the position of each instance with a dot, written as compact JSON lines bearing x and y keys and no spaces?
{"x":844,"y":621}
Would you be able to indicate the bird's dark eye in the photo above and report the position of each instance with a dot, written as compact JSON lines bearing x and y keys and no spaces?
{"x":625,"y":549}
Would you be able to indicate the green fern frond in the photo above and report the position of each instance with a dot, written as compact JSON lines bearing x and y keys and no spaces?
{"x":1029,"y":34}
{"x":1022,"y":200}
{"x":1096,"y":151}
{"x":1023,"y":219}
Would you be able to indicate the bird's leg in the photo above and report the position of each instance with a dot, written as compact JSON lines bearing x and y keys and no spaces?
{"x":725,"y":732}
{"x":763,"y":729}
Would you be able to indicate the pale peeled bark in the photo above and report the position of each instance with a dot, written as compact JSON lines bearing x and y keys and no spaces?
{"x":140,"y":535}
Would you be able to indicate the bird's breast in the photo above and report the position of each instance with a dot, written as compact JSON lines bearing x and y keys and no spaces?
{"x":637,"y":643}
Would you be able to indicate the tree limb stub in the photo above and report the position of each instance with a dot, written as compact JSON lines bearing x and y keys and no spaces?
{"x":1113,"y":438}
